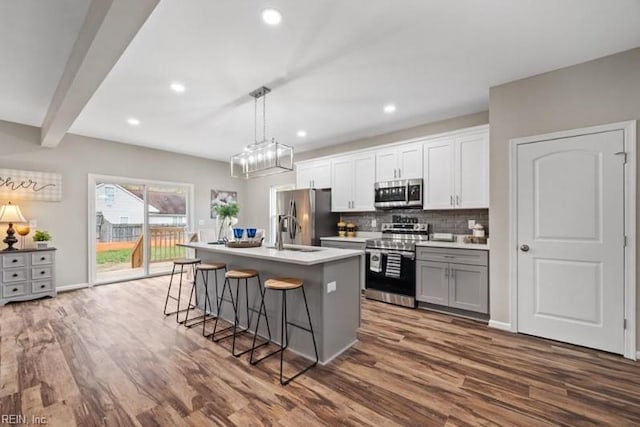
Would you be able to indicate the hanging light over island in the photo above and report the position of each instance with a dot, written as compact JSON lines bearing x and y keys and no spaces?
{"x":263,"y":157}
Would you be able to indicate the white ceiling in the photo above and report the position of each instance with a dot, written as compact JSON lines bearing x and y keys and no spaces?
{"x":36,"y":38}
{"x":332,"y":65}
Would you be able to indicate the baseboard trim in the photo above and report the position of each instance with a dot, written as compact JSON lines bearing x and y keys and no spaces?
{"x":326,"y":362}
{"x":67,"y":288}
{"x":504,"y":326}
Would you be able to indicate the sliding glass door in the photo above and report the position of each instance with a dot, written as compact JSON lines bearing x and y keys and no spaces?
{"x":135,"y":227}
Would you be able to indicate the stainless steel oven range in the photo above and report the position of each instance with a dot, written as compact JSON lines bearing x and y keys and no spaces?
{"x":391,"y":261}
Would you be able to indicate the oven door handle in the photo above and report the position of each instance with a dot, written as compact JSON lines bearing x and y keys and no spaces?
{"x":405,"y":254}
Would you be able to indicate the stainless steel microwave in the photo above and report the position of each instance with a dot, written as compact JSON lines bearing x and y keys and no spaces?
{"x":405,"y":193}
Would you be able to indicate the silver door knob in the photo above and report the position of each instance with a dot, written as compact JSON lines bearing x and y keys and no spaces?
{"x":524,"y":248}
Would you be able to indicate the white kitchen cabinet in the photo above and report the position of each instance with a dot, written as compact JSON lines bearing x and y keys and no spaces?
{"x":341,"y":184}
{"x":399,"y":162}
{"x":472,"y":171}
{"x":352,"y":180}
{"x":313,"y":174}
{"x":439,"y":182}
{"x":456,"y":172}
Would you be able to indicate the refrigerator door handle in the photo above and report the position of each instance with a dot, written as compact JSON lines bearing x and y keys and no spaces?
{"x":293,"y":228}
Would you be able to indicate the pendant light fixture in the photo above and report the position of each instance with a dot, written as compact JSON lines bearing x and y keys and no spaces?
{"x":263,"y":157}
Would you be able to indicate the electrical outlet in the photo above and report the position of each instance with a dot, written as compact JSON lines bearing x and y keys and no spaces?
{"x":201,"y":222}
{"x":331,"y":287}
{"x":374,"y":223}
{"x":471,"y":222}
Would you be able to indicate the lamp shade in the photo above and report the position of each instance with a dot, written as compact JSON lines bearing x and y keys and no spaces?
{"x":11,"y":213}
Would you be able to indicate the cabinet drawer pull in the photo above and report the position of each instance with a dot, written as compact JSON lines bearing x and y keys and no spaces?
{"x":14,"y":290}
{"x":42,"y":272}
{"x":449,"y":256}
{"x":42,"y":259}
{"x":42,"y":286}
{"x":15,"y":274}
{"x":14,"y":260}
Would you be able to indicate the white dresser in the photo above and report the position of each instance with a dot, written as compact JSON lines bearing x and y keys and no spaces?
{"x":27,"y":274}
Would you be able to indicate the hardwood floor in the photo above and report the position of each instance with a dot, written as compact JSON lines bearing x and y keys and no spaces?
{"x":107,"y":356}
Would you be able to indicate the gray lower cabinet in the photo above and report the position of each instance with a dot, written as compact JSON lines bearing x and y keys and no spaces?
{"x":457,"y":278}
{"x":27,"y":274}
{"x":432,"y":279}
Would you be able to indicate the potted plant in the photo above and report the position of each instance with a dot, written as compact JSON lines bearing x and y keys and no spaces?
{"x":42,"y":239}
{"x":228,"y":213}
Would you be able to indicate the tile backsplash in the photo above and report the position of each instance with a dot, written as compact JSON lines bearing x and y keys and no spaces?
{"x":442,"y":221}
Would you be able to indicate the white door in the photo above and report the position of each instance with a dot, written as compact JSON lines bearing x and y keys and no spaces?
{"x":386,"y":165}
{"x":410,"y":161}
{"x":364,"y":170}
{"x":439,"y":185}
{"x":341,"y":184}
{"x":472,"y":171}
{"x":570,"y":232}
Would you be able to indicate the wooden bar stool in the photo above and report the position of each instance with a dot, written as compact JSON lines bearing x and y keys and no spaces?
{"x":189,"y":262}
{"x":204,"y":269}
{"x":239,"y":274}
{"x":284,"y":284}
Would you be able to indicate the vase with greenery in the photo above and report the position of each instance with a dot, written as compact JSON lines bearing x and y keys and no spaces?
{"x":227,"y":213}
{"x":42,"y":238}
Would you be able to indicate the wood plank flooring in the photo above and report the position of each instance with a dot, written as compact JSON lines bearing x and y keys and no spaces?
{"x":107,"y":356}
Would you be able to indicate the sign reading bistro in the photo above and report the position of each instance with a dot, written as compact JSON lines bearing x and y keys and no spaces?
{"x":30,"y":185}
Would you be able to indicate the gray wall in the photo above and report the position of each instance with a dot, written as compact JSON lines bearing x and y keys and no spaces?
{"x":257,"y":190}
{"x":602,"y":91}
{"x":78,"y":156}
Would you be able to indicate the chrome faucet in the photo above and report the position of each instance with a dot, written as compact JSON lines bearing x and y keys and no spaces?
{"x":279,"y":243}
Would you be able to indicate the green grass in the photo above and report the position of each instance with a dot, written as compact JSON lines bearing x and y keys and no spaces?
{"x":120,"y":256}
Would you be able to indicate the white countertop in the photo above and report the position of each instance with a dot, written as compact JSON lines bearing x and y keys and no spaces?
{"x":346,"y":239}
{"x":453,"y":245}
{"x":318,"y":256}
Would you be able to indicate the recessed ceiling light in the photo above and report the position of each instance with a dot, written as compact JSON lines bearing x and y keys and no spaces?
{"x":271,"y":17}
{"x":301,"y":133}
{"x":178,"y":87}
{"x":389,"y":108}
{"x":133,"y":121}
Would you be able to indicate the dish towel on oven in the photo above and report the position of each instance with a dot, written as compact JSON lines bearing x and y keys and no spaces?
{"x":374,"y":262}
{"x":394,"y":265}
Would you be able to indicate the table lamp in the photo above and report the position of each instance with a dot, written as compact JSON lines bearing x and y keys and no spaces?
{"x":9,"y":214}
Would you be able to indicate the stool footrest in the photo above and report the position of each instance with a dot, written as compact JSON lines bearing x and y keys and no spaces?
{"x":299,"y":327}
{"x":199,"y":320}
{"x":182,"y":310}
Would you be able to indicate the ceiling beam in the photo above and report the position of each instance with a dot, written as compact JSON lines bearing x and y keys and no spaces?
{"x":108,"y":28}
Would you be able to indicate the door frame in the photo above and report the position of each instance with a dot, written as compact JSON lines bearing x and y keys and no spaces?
{"x":630,"y":142}
{"x":92,"y":179}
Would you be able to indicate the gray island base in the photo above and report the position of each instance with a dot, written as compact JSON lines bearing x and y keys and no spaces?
{"x":335,"y":313}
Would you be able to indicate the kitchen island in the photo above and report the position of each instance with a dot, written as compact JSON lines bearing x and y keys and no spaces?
{"x":332,"y":280}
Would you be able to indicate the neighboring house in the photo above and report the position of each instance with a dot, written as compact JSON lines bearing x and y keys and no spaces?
{"x":119,"y":205}
{"x":122,"y":205}
{"x":168,"y":208}
{"x":120,"y":211}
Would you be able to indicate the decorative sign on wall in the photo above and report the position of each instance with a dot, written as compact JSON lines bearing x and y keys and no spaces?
{"x":30,"y":185}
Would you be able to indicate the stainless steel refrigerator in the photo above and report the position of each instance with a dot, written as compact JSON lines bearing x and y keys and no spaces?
{"x":312,"y":208}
